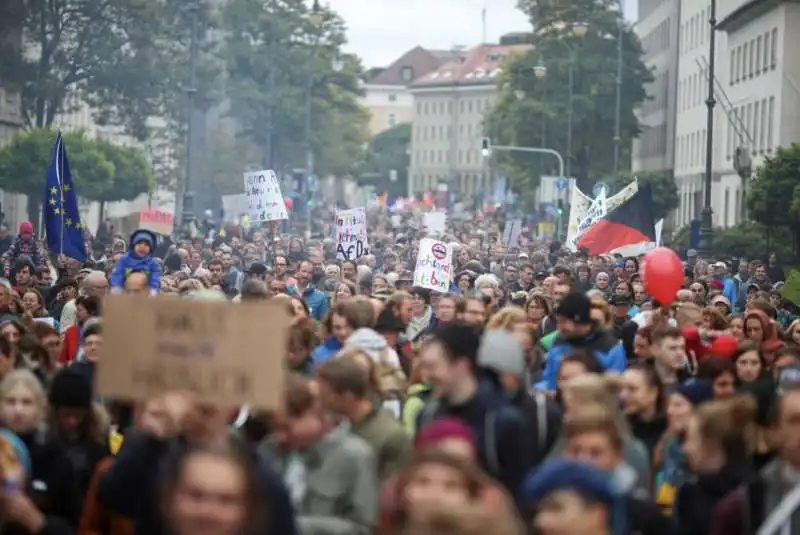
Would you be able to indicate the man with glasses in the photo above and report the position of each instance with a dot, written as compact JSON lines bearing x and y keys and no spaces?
{"x":281,"y":265}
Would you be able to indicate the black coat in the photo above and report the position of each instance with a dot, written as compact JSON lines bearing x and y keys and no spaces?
{"x":698,"y":496}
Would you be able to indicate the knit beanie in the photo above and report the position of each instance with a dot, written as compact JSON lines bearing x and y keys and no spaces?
{"x":696,"y":391}
{"x":576,"y":307}
{"x":70,"y":389}
{"x":561,"y":474}
{"x":441,"y":429}
{"x":501,"y":353}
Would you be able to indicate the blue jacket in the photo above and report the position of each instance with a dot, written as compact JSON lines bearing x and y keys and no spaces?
{"x":316,"y":301}
{"x":606,"y":349}
{"x":729,"y":290}
{"x":130,"y":263}
{"x":326,"y":350}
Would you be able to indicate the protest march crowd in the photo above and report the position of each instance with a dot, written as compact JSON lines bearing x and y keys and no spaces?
{"x":419,"y":380}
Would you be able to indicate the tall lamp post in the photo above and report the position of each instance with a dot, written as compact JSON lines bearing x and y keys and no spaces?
{"x":706,"y":231}
{"x":618,"y":90}
{"x":579,"y":29}
{"x":187,"y":198}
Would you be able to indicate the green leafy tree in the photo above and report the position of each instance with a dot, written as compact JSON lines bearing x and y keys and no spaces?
{"x":387,"y":157}
{"x":232,"y":155}
{"x":748,"y":240}
{"x":24,"y":162}
{"x":533,"y":110}
{"x":774,"y":196}
{"x":132,"y":175}
{"x":275,"y":58}
{"x":662,"y":184}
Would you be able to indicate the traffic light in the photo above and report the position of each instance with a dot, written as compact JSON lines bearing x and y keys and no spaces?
{"x":486,"y":147}
{"x":560,"y":207}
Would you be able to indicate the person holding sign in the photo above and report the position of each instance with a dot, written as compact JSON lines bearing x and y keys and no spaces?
{"x":139,"y":258}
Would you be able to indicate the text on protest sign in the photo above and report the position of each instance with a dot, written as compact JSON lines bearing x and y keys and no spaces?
{"x":158,"y":221}
{"x":214,"y":349}
{"x":264,"y":199}
{"x":434,"y":268}
{"x":351,"y":234}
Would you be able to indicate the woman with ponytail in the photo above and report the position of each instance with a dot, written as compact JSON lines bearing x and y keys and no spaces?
{"x":718,"y":445}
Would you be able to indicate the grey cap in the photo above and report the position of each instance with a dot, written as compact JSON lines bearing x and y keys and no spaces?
{"x":500,"y":352}
{"x":691,"y":252}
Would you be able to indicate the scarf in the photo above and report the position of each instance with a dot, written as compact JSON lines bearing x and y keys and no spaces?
{"x":419,"y":323}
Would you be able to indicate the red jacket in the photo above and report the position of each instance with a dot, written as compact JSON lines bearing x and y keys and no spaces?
{"x":701,"y":346}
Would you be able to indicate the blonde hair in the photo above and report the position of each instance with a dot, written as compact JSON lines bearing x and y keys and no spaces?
{"x":507,"y":318}
{"x":598,"y":303}
{"x":688,"y":314}
{"x":27,"y":379}
{"x":596,"y":389}
{"x":594,"y":418}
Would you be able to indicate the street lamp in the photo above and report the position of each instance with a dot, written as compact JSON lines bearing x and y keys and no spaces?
{"x":540,"y":70}
{"x":315,"y":17}
{"x":705,"y":219}
{"x":337,"y":65}
{"x":580,"y":28}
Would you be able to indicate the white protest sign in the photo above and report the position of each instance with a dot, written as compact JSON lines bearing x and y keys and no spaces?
{"x":434,"y":268}
{"x":581,"y":205}
{"x":264,"y":198}
{"x":511,"y":233}
{"x":351,"y":234}
{"x":397,"y":220}
{"x":435,"y":222}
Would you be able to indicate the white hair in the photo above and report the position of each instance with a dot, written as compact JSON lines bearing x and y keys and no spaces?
{"x":363,"y":271}
{"x":486,"y":280}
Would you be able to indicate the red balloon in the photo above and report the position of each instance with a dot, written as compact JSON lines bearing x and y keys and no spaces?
{"x":288,"y":202}
{"x":662,"y":274}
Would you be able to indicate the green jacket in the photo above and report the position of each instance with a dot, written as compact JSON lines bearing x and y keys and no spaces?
{"x":416,"y":397}
{"x":547,"y":341}
{"x":388,"y":438}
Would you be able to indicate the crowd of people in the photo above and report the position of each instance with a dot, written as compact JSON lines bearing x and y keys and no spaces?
{"x":547,"y":392}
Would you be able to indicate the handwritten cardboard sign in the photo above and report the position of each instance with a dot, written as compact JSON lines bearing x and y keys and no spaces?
{"x":227,"y":354}
{"x":434,"y":268}
{"x":351,"y":234}
{"x":158,"y":221}
{"x":264,"y":198}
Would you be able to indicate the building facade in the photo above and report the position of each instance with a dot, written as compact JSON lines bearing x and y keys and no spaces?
{"x":757,"y":97}
{"x":386,"y":94}
{"x":658,"y":30}
{"x":449,"y":107}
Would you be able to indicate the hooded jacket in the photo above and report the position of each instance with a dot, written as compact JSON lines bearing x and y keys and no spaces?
{"x":24,"y":244}
{"x":771,"y":342}
{"x":131,"y":263}
{"x":610,"y":354}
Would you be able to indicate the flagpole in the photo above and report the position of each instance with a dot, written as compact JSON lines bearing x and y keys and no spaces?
{"x":60,"y":164}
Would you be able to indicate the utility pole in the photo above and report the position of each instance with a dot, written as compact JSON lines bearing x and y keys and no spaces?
{"x":187,"y":198}
{"x":618,"y":97}
{"x":268,"y":151}
{"x":706,"y":231}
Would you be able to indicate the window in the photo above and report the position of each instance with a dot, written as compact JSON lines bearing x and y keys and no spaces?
{"x":745,"y":72}
{"x":770,"y":121}
{"x":774,"y":49}
{"x":758,"y":55}
{"x":426,"y":109}
{"x":763,"y":129}
{"x":727,"y":206}
{"x":449,"y":107}
{"x":754,"y":131}
{"x":752,"y":60}
{"x":733,"y":68}
{"x":407,"y":74}
{"x":738,"y":75}
{"x":392,"y":120}
{"x":392,"y":97}
{"x":469,"y":106}
{"x":419,"y":108}
{"x":765,"y":54}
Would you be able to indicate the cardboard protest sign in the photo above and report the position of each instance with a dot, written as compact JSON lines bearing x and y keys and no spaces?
{"x":511,"y":233}
{"x":264,"y":199}
{"x":158,"y":221}
{"x":351,"y":234}
{"x":227,"y":354}
{"x":434,"y":268}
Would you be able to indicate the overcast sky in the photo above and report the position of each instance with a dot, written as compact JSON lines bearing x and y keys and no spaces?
{"x":380,"y":31}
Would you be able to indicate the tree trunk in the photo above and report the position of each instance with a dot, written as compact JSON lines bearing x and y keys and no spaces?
{"x":34,"y":213}
{"x":101,"y":216}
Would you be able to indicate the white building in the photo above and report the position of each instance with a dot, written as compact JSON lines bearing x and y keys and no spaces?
{"x":449,"y":107}
{"x":658,"y":30}
{"x":757,"y":94}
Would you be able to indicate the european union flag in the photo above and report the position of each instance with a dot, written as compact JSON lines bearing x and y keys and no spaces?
{"x":62,"y":221}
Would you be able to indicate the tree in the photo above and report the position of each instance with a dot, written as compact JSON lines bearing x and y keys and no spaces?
{"x":388,"y":154}
{"x":231,"y":156}
{"x":774,"y":196}
{"x":275,"y":59}
{"x":100,"y":171}
{"x":748,"y":240}
{"x":662,"y":184}
{"x":533,"y":111}
{"x":132,"y":175}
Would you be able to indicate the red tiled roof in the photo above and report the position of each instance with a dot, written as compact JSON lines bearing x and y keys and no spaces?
{"x":480,"y":65}
{"x":419,"y":60}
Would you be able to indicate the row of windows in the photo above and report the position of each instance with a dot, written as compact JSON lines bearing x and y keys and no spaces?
{"x":658,"y":91}
{"x":442,"y":157}
{"x":695,"y":31}
{"x":754,"y":57}
{"x":657,"y":40}
{"x":691,"y":204}
{"x":648,"y":6}
{"x":653,"y":141}
{"x":473,"y":105}
{"x":445,"y":133}
{"x":758,"y":119}
{"x":692,"y":91}
{"x":690,"y":150}
{"x":469,"y":183}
